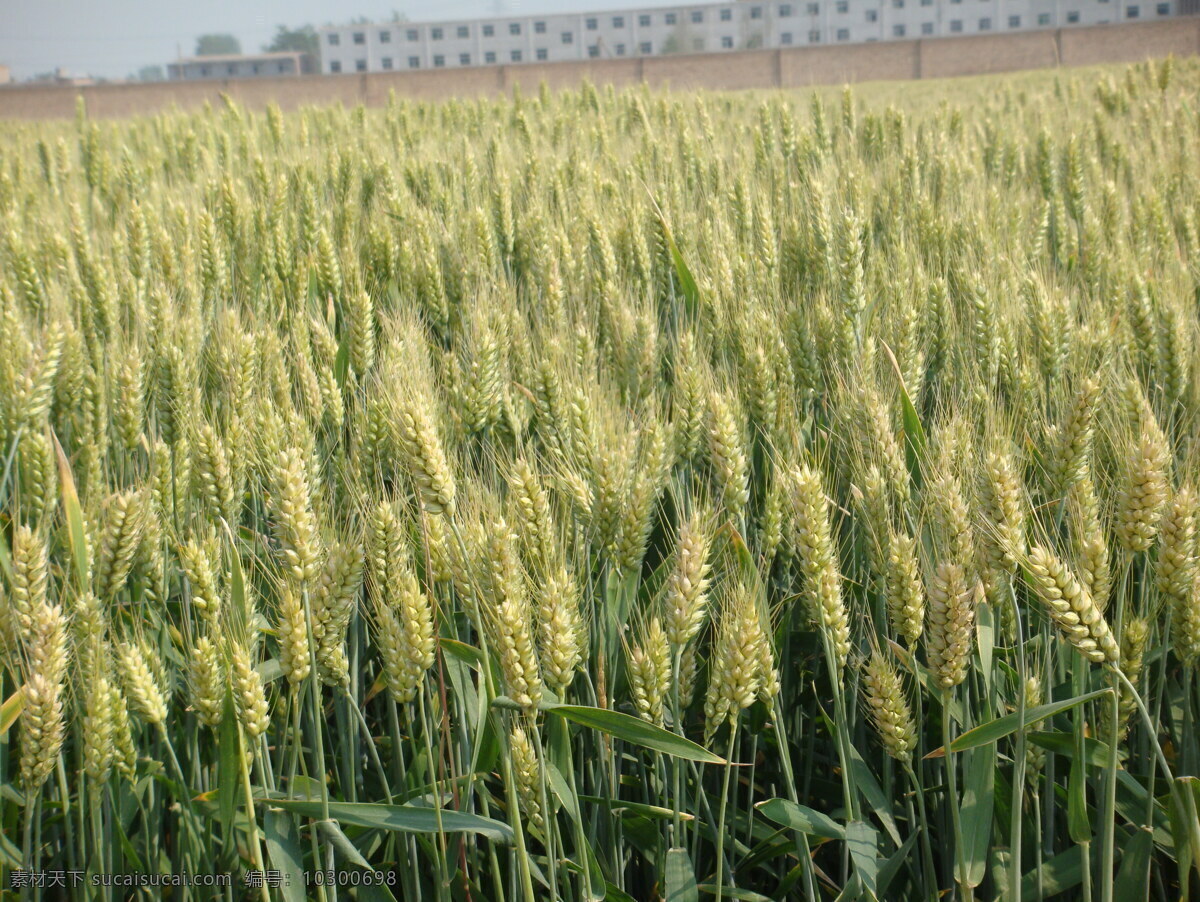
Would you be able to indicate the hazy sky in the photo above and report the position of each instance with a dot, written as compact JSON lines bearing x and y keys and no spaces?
{"x":115,"y":38}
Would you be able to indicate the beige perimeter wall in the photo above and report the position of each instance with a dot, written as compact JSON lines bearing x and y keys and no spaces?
{"x":794,"y":67}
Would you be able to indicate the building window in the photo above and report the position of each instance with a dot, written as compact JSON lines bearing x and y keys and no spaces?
{"x":985,"y":24}
{"x":514,"y":27}
{"x":386,"y":62}
{"x":843,"y":6}
{"x":515,"y":56}
{"x":1043,"y":18}
{"x":592,"y":24}
{"x":872,"y":15}
{"x":464,"y":31}
{"x":956,"y":26}
{"x":231,"y":69}
{"x":897,"y":4}
{"x":926,"y":28}
{"x":1014,"y":21}
{"x":385,"y":37}
{"x":360,"y":37}
{"x":1163,"y":9}
{"x":413,"y":34}
{"x":334,"y":39}
{"x":814,"y":9}
{"x":489,"y":31}
{"x":669,"y":18}
{"x":618,"y":21}
{"x":897,"y":31}
{"x":814,"y":36}
{"x":727,"y":43}
{"x":1073,"y":17}
{"x":539,"y":27}
{"x":594,"y":51}
{"x":786,"y":39}
{"x":756,"y":12}
{"x":645,"y":48}
{"x":644,"y":21}
{"x":435,"y":34}
{"x":414,"y":62}
{"x":334,"y":66}
{"x":927,"y":2}
{"x":697,"y":44}
{"x":843,"y":34}
{"x":439,"y":61}
{"x":726,"y":15}
{"x":568,"y":37}
{"x":489,"y":57}
{"x":254,"y":68}
{"x":360,"y":65}
{"x":697,"y":16}
{"x":464,"y":59}
{"x":620,"y":48}
{"x":543,"y":53}
{"x":1131,"y":12}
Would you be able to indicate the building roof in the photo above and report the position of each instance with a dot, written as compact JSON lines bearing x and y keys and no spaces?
{"x":526,"y":16}
{"x":236,"y":58}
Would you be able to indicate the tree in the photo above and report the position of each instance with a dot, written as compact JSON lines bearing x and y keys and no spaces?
{"x":677,"y":42}
{"x":303,"y":39}
{"x":217,"y":45}
{"x":150,"y":73}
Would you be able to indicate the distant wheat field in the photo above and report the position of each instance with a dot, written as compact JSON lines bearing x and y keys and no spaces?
{"x":604,"y":494}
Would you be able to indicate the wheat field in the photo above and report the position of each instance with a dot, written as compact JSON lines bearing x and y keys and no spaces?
{"x":606,"y":495}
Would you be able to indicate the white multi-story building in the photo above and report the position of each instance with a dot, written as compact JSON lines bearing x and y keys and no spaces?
{"x":700,"y":28}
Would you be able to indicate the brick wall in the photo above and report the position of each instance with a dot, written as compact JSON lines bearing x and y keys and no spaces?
{"x":732,"y":70}
{"x":981,"y":54}
{"x":883,"y":61}
{"x":795,"y":67}
{"x":1131,"y":43}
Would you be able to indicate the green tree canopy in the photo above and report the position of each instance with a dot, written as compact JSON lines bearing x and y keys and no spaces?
{"x":217,"y":44}
{"x":302,"y":39}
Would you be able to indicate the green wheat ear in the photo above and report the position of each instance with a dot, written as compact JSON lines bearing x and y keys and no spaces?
{"x":949,"y":630}
{"x":818,"y":562}
{"x":1071,"y":607}
{"x":887,"y":704}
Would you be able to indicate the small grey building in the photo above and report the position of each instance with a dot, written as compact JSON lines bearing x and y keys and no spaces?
{"x":251,"y":65}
